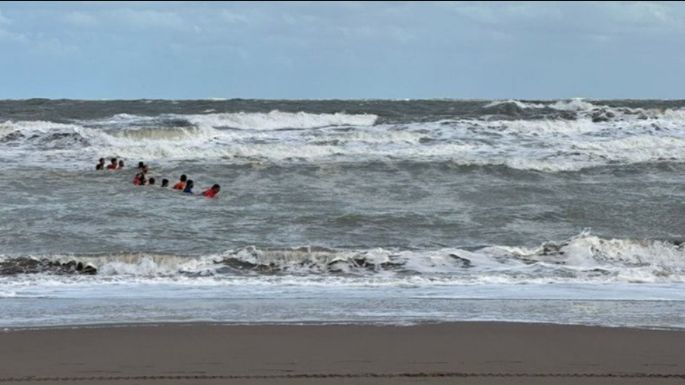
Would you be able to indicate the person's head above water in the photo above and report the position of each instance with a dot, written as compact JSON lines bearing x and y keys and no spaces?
{"x":189,"y":186}
{"x":113,"y":164}
{"x":121,"y":164}
{"x":151,"y":181}
{"x":182,"y":184}
{"x":139,"y":179}
{"x":141,"y":164}
{"x":216,"y":188}
{"x":102,"y":160}
{"x":165,"y":182}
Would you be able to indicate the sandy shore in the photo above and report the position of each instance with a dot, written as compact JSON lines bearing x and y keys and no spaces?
{"x":455,"y":353}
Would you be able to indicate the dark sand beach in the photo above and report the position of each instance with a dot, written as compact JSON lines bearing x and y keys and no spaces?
{"x":458,"y":353}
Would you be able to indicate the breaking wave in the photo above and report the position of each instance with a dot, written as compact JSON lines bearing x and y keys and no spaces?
{"x":594,"y":136}
{"x":274,"y":120}
{"x":582,"y":259}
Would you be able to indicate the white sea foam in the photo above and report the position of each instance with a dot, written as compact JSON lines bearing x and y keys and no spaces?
{"x":576,"y":104}
{"x":629,"y":136}
{"x":517,"y":103}
{"x":273,"y":120}
{"x":582,"y":259}
{"x":279,"y":120}
{"x":35,"y":127}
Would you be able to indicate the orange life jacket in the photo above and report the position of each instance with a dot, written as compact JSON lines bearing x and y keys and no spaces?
{"x":210,"y":193}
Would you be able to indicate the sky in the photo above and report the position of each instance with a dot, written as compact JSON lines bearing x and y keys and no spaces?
{"x":345,"y":50}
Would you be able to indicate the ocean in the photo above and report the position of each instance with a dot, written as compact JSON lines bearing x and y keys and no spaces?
{"x":354,"y":211}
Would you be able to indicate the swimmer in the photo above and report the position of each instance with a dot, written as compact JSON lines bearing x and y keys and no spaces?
{"x":113,"y":164}
{"x":151,"y":181}
{"x":101,"y":164}
{"x":189,"y":187}
{"x":182,"y":184}
{"x":141,"y":165}
{"x":165,"y":182}
{"x":139,"y":179}
{"x":121,"y":164}
{"x":211,"y":192}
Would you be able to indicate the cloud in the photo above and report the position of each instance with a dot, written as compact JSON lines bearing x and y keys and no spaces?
{"x":231,"y":16}
{"x":12,"y":37}
{"x":4,"y":20}
{"x":33,"y":42}
{"x":52,"y":46}
{"x":81,"y":19}
{"x":573,"y":17}
{"x":149,"y":18}
{"x":8,"y":36}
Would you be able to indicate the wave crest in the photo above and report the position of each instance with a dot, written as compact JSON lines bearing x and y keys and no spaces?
{"x":277,"y":120}
{"x":584,"y":258}
{"x":597,"y":136}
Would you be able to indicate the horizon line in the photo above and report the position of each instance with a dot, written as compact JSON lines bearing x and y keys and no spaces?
{"x":218,"y":99}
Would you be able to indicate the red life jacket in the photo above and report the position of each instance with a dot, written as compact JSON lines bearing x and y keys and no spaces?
{"x":210,"y":193}
{"x":180,"y":186}
{"x":111,"y":166}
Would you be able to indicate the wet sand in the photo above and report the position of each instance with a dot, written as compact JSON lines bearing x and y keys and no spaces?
{"x":455,"y":353}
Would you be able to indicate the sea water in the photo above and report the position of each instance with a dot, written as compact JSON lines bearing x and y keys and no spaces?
{"x":368,"y":211}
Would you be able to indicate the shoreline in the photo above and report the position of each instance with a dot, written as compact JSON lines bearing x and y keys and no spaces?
{"x":461,"y":352}
{"x":156,"y":324}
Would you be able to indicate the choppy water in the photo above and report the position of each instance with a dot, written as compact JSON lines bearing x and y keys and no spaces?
{"x":344,"y":211}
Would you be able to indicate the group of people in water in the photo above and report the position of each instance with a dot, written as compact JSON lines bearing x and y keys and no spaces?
{"x":184,"y":184}
{"x":114,"y":165}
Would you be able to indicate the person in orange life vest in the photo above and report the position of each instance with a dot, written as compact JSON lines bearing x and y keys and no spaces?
{"x":182,"y":184}
{"x":212,"y":192}
{"x":113,"y":165}
{"x":139,"y":179}
{"x":101,"y":164}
